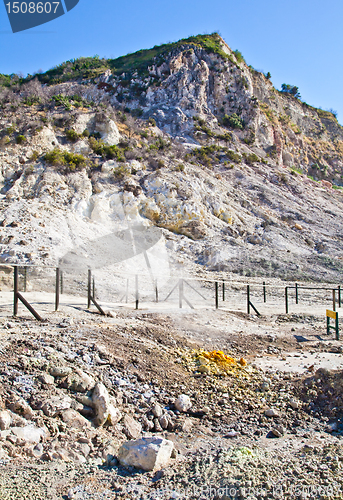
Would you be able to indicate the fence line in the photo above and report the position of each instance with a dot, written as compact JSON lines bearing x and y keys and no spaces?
{"x":182,"y":286}
{"x":167,"y":276}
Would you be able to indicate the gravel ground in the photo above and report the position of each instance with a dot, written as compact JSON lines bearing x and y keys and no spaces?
{"x":226,"y":444}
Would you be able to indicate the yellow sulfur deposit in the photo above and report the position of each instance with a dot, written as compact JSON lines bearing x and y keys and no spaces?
{"x":217,"y":362}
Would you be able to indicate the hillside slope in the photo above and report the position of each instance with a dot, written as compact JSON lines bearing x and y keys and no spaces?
{"x":240,"y":177}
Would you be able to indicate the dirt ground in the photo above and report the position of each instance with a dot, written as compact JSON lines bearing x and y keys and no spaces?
{"x":227,"y":447}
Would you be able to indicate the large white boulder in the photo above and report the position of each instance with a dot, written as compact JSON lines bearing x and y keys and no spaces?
{"x":29,"y":433}
{"x":108,"y":131}
{"x":147,"y":453}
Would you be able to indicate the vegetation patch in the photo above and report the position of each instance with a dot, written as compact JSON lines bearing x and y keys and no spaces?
{"x":141,"y":60}
{"x":75,"y":69}
{"x":109,"y":152}
{"x":211,"y":155}
{"x":69,"y":101}
{"x":251,"y":158}
{"x":270,"y":114}
{"x":72,"y":135}
{"x":160,"y":145}
{"x":233,"y":121}
{"x":20,"y":139}
{"x":290,"y":90}
{"x":61,"y":158}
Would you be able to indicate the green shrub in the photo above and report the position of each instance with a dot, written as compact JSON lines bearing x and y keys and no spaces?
{"x":251,"y":158}
{"x":68,"y":101}
{"x":232,"y":156}
{"x":72,"y":135}
{"x":152,"y":122}
{"x":30,"y":101}
{"x":20,"y":139}
{"x":121,"y":172}
{"x":34,"y":156}
{"x":137,"y":112}
{"x":209,"y":155}
{"x":85,"y":133}
{"x":239,"y":56}
{"x":75,"y":69}
{"x":295,"y":171}
{"x":224,"y":137}
{"x":106,"y":151}
{"x":291,"y":90}
{"x":28,"y":170}
{"x":233,"y":121}
{"x":61,"y":100}
{"x":71,"y":161}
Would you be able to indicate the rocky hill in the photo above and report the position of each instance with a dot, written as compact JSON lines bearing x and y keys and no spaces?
{"x":241,"y":177}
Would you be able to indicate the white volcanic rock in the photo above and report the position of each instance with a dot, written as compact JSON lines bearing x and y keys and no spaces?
{"x":146,"y":453}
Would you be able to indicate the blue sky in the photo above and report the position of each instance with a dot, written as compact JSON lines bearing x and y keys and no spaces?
{"x":299,"y":42}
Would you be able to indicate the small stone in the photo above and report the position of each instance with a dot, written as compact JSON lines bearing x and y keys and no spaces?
{"x":147,"y":424}
{"x":146,"y":453}
{"x":5,"y":420}
{"x":294,"y":404}
{"x":157,"y":425}
{"x":278,"y":431}
{"x":131,"y":427}
{"x":164,"y":421}
{"x":71,"y":495}
{"x":187,"y":425}
{"x":101,"y":403}
{"x":204,"y":369}
{"x":55,"y":405}
{"x":231,"y":434}
{"x":114,"y":414}
{"x":157,"y":410}
{"x":271,"y":413}
{"x":78,"y":381}
{"x":60,"y":371}
{"x":37,"y":451}
{"x":74,"y":420}
{"x":332,"y":427}
{"x":109,"y":452}
{"x":183,"y":403}
{"x":84,"y":449}
{"x":46,"y":379}
{"x":22,"y":408}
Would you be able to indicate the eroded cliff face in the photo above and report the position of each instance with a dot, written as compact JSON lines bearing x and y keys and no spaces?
{"x":191,"y":82}
{"x":237,"y":174}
